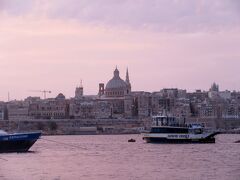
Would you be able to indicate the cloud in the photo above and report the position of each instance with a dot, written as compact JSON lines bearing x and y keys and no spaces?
{"x":160,"y":15}
{"x":53,"y":44}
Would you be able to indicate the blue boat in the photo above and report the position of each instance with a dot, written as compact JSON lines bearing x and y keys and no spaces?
{"x":17,"y":142}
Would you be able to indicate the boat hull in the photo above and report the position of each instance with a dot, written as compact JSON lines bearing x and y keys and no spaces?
{"x":20,"y":142}
{"x":178,"y":141}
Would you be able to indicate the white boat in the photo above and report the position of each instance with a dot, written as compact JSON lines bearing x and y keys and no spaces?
{"x":166,"y":129}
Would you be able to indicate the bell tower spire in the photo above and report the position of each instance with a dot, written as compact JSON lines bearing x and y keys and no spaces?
{"x":127,"y":77}
{"x":128,"y":82}
{"x":81,"y":84}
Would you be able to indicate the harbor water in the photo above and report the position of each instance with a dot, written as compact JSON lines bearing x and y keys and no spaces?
{"x":103,"y":157}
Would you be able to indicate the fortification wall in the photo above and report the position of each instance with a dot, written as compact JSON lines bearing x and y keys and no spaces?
{"x":76,"y":126}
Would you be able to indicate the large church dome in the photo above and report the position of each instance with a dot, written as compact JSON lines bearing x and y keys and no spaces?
{"x":116,"y":82}
{"x":116,"y":86}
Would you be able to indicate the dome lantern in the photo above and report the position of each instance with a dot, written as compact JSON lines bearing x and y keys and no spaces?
{"x":116,"y":73}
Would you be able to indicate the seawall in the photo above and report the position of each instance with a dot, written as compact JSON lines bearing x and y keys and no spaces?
{"x":76,"y":126}
{"x":104,"y":126}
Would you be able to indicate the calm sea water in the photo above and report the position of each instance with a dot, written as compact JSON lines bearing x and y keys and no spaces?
{"x":112,"y":157}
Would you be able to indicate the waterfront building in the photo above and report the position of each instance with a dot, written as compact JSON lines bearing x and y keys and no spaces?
{"x":231,"y":110}
{"x":118,"y":93}
{"x":79,"y":91}
{"x":3,"y":110}
{"x":182,"y":108}
{"x":225,"y":95}
{"x":155,"y":103}
{"x":207,"y":110}
{"x":198,"y":95}
{"x":29,"y":100}
{"x":51,"y":108}
{"x":18,"y":110}
{"x":141,"y":104}
{"x":89,"y":108}
{"x":170,"y":101}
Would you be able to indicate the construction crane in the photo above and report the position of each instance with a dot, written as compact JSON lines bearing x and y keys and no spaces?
{"x":43,"y":91}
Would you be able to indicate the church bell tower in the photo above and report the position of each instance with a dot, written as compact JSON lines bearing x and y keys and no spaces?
{"x":79,"y":91}
{"x":129,"y":88}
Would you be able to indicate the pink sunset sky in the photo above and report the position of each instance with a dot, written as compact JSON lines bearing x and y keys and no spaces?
{"x":53,"y":44}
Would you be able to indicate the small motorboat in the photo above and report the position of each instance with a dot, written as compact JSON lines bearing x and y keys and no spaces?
{"x":17,"y":142}
{"x":131,"y":140}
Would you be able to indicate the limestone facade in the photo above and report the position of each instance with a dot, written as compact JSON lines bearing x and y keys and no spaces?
{"x":118,"y":94}
{"x":52,"y":108}
{"x":18,"y":110}
{"x":87,"y":108}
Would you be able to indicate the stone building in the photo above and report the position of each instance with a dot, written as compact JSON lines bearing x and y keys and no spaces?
{"x":141,"y":104}
{"x":182,"y":108}
{"x":81,"y":109}
{"x":207,"y":110}
{"x":3,"y":111}
{"x":102,"y":110}
{"x":197,"y":95}
{"x":89,"y":108}
{"x":173,"y":102}
{"x":52,"y":108}
{"x":118,"y":93}
{"x":18,"y":110}
{"x":231,"y":110}
{"x":79,"y":91}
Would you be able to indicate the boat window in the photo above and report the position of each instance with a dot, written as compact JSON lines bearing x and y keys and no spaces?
{"x":165,"y":120}
{"x":169,"y":130}
{"x":198,"y":131}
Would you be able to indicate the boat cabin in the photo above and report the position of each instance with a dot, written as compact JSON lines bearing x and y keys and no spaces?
{"x":195,"y":128}
{"x":172,"y":125}
{"x":165,"y":121}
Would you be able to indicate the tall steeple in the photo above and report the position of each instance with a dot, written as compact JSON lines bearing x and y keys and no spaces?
{"x":127,"y":77}
{"x":129,"y":88}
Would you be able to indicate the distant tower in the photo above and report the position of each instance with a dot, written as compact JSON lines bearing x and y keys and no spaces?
{"x":101,"y":89}
{"x":128,"y":82}
{"x":214,"y":87}
{"x":79,"y":91}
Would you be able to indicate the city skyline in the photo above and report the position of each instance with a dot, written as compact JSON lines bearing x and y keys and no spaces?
{"x":44,"y":93}
{"x":188,"y":47}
